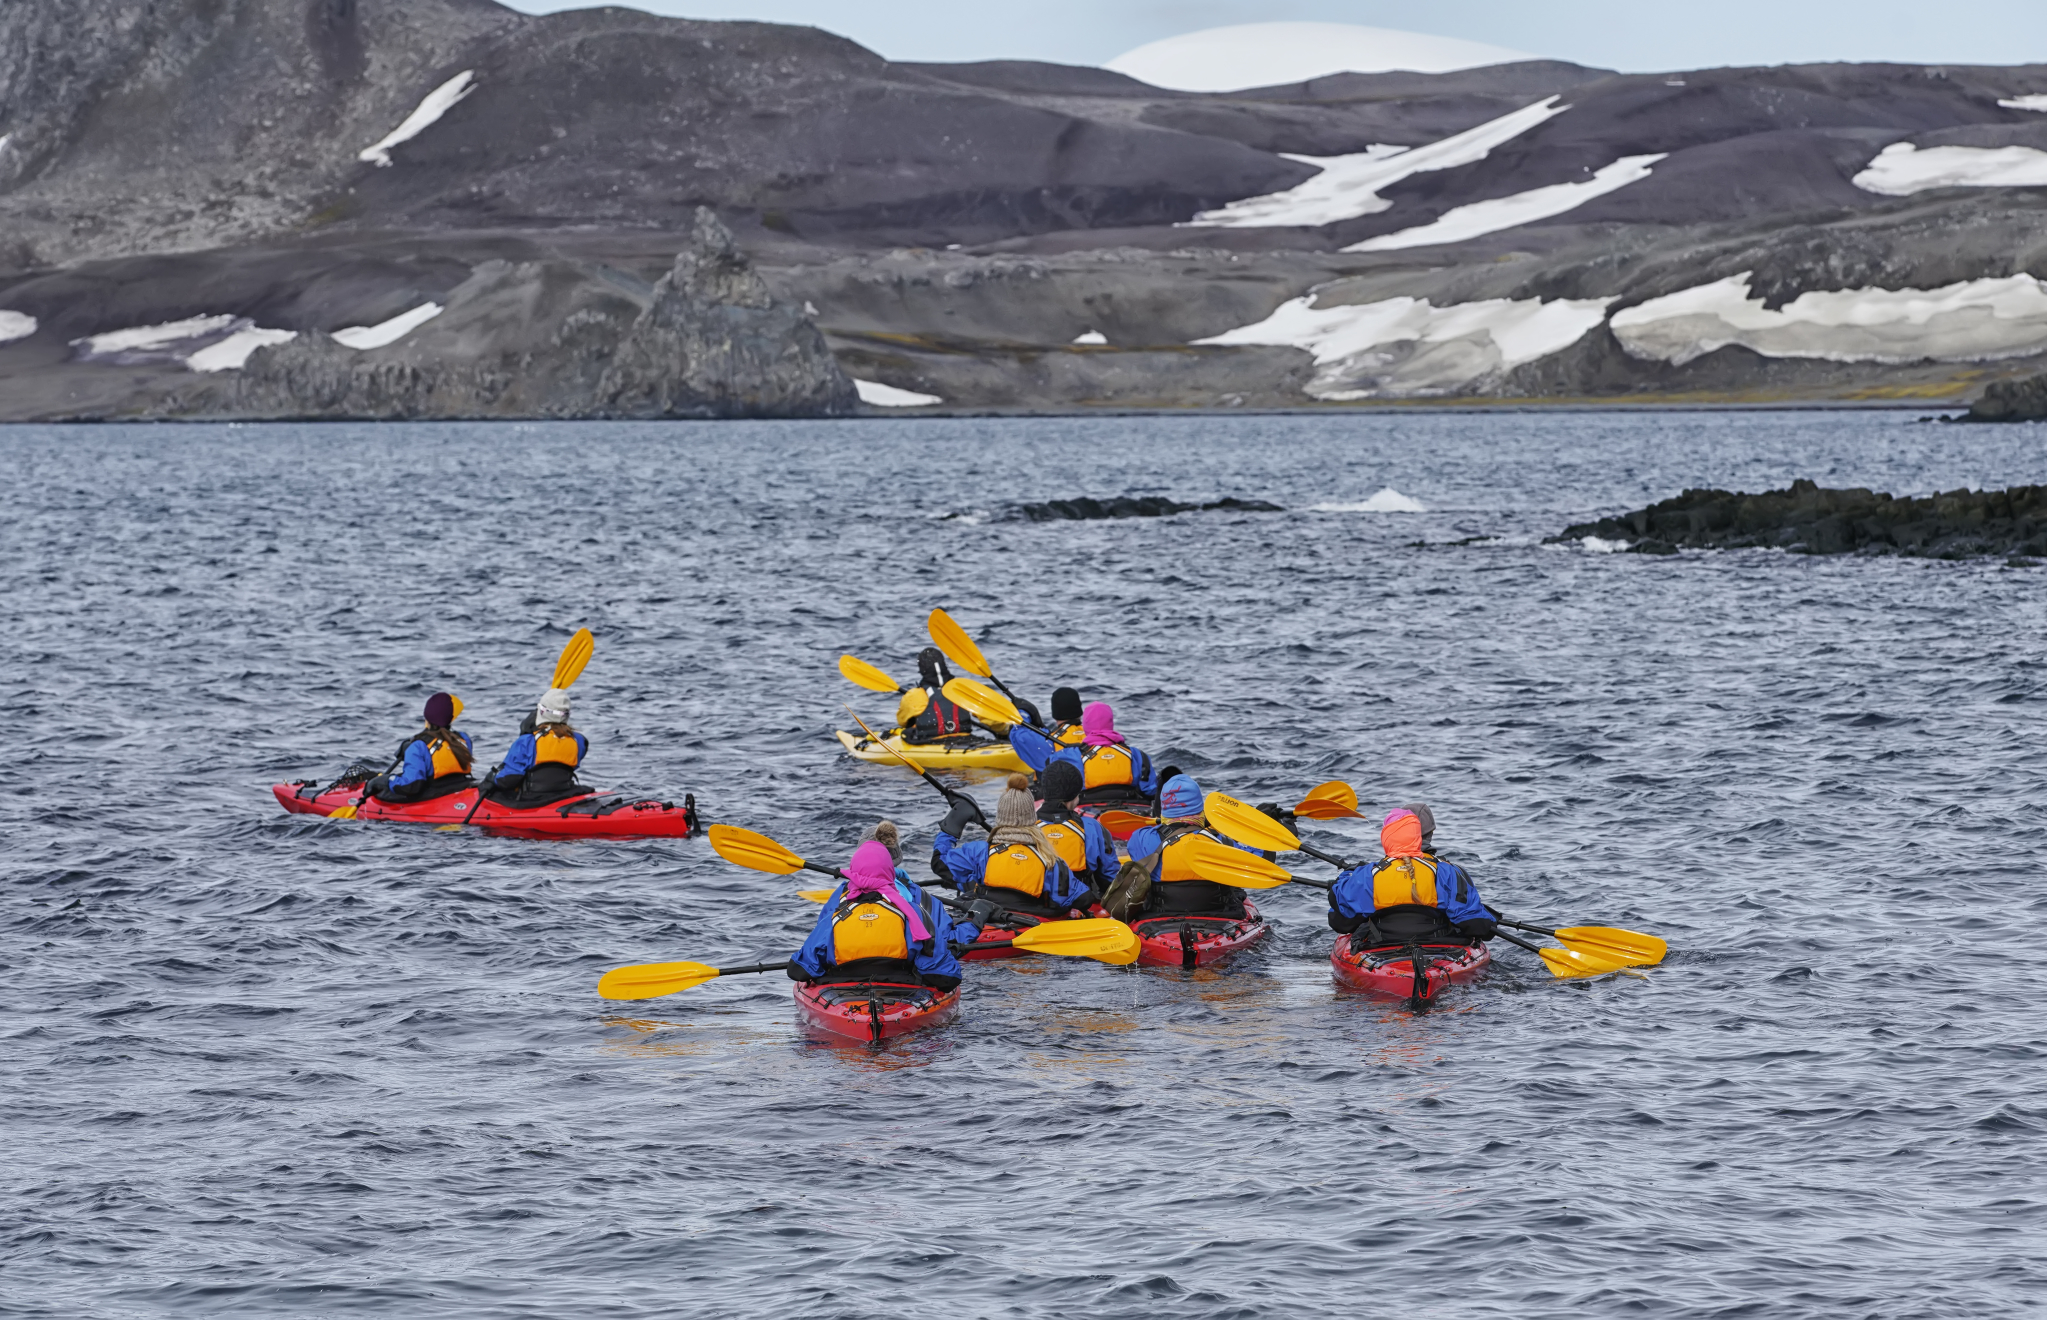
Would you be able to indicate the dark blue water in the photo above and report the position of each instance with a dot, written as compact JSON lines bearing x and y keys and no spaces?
{"x":256,"y":1065}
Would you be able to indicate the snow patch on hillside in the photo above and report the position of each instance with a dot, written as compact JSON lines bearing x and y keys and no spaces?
{"x":1975,"y":321}
{"x":1408,"y":347}
{"x":362,"y":337}
{"x":878,"y":395}
{"x":16,"y":325}
{"x":2026,"y":103}
{"x":232,"y":353}
{"x":1490,"y":217}
{"x":202,"y":343}
{"x":1904,"y":169}
{"x":1348,"y":186}
{"x":1229,"y":59}
{"x":428,"y":113}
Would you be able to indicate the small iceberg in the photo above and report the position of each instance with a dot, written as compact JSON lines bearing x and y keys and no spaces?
{"x":1387,"y":500}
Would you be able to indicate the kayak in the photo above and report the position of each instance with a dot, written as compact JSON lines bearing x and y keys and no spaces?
{"x":593,"y":815}
{"x":1171,"y":941}
{"x":965,"y":754}
{"x":1390,"y":970}
{"x":874,"y":1011}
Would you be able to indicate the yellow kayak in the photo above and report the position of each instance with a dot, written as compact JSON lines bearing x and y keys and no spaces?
{"x":974,"y":755}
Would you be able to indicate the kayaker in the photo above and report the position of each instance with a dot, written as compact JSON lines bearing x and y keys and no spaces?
{"x":936,"y":717}
{"x":1176,"y":890}
{"x":1082,"y":842}
{"x":541,"y":766}
{"x":1017,"y":866}
{"x":1065,"y":729}
{"x":1411,"y":895}
{"x":879,"y":926}
{"x":434,"y":762}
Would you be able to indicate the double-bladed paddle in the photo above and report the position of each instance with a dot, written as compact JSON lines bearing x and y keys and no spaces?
{"x":859,"y":672}
{"x":960,"y":649}
{"x":568,"y":667}
{"x":1248,"y":825}
{"x":1334,"y":800}
{"x":985,"y":706}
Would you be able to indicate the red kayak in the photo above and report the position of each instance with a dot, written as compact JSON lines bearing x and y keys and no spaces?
{"x":1171,"y":941}
{"x":874,"y":1011}
{"x":591,"y":816}
{"x":1390,"y":970}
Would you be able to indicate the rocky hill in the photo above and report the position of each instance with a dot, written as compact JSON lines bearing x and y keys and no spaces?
{"x":381,"y":207}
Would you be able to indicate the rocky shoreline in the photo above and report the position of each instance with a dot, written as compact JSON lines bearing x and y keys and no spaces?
{"x":1809,"y":519}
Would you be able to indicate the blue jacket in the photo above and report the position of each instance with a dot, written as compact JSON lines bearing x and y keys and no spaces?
{"x":1038,"y":751}
{"x":419,"y":762}
{"x":520,"y":759}
{"x":933,"y":957}
{"x":1101,"y":851}
{"x":968,"y":862}
{"x":1456,"y":892}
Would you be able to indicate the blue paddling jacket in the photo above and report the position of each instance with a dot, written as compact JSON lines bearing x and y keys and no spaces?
{"x":1100,"y":767}
{"x":556,"y":759}
{"x":1018,"y":868}
{"x":428,"y":757}
{"x":931,"y":957}
{"x":1423,"y":881}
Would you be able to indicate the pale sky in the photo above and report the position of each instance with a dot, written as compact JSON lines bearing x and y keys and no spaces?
{"x":1634,"y":35}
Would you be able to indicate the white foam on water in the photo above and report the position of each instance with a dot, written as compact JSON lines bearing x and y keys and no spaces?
{"x":428,"y":113}
{"x":878,"y":395}
{"x":1489,"y":217}
{"x":1348,"y":186}
{"x":1387,"y":500}
{"x":362,"y":337}
{"x":2035,"y":102}
{"x":1409,"y":347}
{"x":232,"y":353}
{"x":1600,"y":546}
{"x":1974,"y":321}
{"x":1903,"y":169}
{"x":15,"y":325}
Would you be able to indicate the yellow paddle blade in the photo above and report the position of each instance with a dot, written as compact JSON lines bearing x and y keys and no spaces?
{"x":342,"y":813}
{"x":1334,"y":800}
{"x":652,"y":980}
{"x":1100,"y":938}
{"x":983,"y":703}
{"x":1231,"y":866}
{"x":814,"y":895}
{"x":859,"y":671}
{"x":1248,"y":825}
{"x":1633,"y":948}
{"x":573,"y":657}
{"x":1567,"y":963}
{"x":755,"y":852}
{"x":959,"y":648}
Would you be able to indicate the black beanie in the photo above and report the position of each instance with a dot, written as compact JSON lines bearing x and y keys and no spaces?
{"x":930,"y":666}
{"x":1066,"y":705}
{"x":1060,"y":782}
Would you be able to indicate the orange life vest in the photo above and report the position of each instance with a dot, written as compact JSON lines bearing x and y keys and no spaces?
{"x":1111,"y":763}
{"x":1068,"y":839}
{"x":869,"y":929}
{"x":1068,"y":735}
{"x":1177,"y":865}
{"x":1404,"y":882}
{"x":554,"y":748}
{"x":438,"y":747}
{"x":1015,"y":867}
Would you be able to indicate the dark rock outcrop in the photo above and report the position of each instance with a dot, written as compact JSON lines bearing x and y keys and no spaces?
{"x":1807,"y":519}
{"x":1086,"y":509}
{"x":2022,"y":400}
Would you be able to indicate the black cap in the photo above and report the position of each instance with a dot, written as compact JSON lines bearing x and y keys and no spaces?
{"x":1060,"y":782}
{"x":1066,"y":705}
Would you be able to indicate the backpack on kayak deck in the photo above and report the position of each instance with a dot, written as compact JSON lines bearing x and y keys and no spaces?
{"x":1127,"y":897}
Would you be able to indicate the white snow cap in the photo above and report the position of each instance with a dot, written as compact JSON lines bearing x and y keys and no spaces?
{"x":1230,"y":59}
{"x":362,"y":337}
{"x":1975,"y":321}
{"x":878,"y":395}
{"x":1348,"y":186}
{"x":1904,"y":169}
{"x":428,"y":113}
{"x":15,"y":325}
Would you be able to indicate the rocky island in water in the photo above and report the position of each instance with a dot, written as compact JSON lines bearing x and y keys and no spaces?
{"x":444,"y":208}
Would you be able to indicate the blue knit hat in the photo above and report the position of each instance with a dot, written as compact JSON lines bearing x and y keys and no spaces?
{"x":1182,"y":797}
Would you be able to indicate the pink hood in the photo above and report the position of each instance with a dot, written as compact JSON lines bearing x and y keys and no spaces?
{"x":1098,"y":725}
{"x":873,"y":871}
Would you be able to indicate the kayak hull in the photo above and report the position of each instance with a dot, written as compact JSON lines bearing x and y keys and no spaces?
{"x":975,"y":755}
{"x":1390,"y":971}
{"x":1171,"y":941}
{"x":874,"y":1012}
{"x":590,"y":816}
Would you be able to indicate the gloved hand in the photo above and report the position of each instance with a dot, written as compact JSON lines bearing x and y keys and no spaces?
{"x":938,"y":868}
{"x":379,"y":784}
{"x":981,"y":911}
{"x":1478,"y":928}
{"x":1030,"y":712}
{"x":796,"y":972}
{"x":964,"y":811}
{"x":1280,"y":814}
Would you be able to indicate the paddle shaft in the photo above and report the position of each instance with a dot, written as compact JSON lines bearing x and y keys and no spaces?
{"x":482,"y":790}
{"x":1516,"y":939}
{"x":922,"y":773}
{"x":1520,"y":925}
{"x":755,"y":967}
